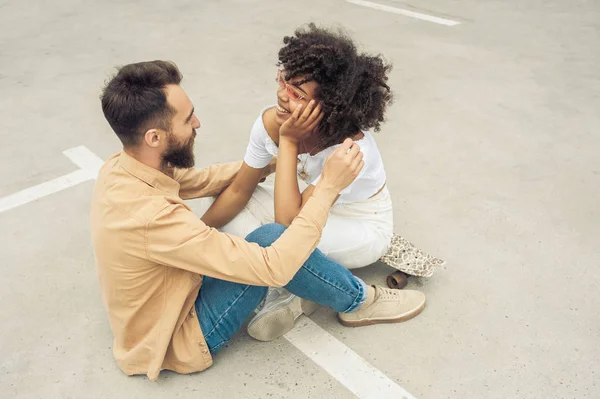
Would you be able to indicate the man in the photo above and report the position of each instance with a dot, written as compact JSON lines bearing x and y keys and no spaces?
{"x":176,"y":290}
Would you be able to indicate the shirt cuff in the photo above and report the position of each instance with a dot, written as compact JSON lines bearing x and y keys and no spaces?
{"x":316,"y":212}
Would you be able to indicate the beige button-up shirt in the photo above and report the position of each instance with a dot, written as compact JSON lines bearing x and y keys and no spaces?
{"x":152,"y":252}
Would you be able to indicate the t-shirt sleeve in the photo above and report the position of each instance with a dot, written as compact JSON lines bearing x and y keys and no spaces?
{"x":352,"y":185}
{"x":257,"y":155}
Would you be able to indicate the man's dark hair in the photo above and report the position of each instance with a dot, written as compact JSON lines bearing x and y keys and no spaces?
{"x":135,"y":100}
{"x":353,"y":92}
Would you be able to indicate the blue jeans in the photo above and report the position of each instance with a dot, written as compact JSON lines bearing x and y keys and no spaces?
{"x":223,"y":306}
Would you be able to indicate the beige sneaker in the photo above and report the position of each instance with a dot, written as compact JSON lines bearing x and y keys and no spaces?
{"x":389,"y":306}
{"x":277,"y":317}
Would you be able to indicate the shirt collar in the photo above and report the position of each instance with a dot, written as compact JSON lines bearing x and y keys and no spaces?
{"x":149,"y":175}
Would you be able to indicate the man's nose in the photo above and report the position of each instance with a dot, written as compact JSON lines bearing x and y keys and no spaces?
{"x":195,"y":122}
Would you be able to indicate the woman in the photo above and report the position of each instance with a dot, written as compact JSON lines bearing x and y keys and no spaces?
{"x":326,"y":92}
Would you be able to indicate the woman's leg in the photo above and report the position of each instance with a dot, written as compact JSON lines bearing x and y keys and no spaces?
{"x":355,"y":235}
{"x":262,"y":204}
{"x":358,"y":234}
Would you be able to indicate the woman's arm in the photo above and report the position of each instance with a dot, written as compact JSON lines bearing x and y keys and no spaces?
{"x":235,"y":197}
{"x":288,"y":200}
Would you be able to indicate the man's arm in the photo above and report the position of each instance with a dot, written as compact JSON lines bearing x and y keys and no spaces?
{"x":196,"y":183}
{"x":235,"y":197}
{"x":177,"y":238}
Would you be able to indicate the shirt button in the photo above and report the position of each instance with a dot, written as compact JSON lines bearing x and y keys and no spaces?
{"x":192,"y":313}
{"x":200,"y":344}
{"x":205,"y":351}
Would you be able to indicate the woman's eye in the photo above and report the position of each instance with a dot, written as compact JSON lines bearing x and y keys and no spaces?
{"x":292,"y":94}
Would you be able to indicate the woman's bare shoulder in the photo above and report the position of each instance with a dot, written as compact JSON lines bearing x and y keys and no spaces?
{"x":271,"y":127}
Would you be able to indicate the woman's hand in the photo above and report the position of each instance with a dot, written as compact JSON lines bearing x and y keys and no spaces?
{"x":299,"y":125}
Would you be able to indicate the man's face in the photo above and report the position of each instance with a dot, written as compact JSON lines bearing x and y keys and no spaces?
{"x":179,"y":151}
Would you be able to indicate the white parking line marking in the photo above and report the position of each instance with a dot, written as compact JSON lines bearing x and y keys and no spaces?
{"x":84,"y":158}
{"x":407,"y":13}
{"x":342,"y":363}
{"x":89,"y":165}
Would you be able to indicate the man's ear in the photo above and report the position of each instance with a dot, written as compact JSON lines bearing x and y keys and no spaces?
{"x":152,"y":138}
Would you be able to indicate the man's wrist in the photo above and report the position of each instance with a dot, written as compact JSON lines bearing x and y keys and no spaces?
{"x":325,"y":193}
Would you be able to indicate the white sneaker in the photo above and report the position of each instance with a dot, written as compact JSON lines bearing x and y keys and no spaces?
{"x":272,"y":294}
{"x":278,"y":314}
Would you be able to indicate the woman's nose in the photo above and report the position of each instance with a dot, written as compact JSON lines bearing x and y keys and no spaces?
{"x":283,"y":95}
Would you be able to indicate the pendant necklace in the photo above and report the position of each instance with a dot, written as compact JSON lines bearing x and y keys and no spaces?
{"x":302,"y":173}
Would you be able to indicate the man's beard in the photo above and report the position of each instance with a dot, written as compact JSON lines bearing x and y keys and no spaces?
{"x":179,"y":156}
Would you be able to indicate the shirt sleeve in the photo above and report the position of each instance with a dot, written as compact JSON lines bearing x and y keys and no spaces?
{"x":176,"y":237}
{"x":257,"y":155}
{"x":196,"y":183}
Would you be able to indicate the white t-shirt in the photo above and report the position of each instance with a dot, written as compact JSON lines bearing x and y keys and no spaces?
{"x":261,"y":149}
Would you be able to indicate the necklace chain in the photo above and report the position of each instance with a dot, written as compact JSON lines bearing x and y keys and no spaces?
{"x":303,"y":175}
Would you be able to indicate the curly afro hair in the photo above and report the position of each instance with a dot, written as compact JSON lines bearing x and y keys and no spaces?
{"x":352,"y":87}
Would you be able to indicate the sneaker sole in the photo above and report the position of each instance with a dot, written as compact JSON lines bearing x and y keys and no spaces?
{"x":370,"y":322}
{"x":275,"y":324}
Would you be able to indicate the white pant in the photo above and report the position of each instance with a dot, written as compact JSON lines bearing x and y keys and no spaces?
{"x":355,"y":235}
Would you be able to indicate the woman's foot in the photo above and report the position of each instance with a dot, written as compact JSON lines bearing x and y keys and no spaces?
{"x":385,"y":305}
{"x":277,"y":317}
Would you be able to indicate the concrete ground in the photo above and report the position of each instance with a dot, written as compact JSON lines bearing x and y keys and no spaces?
{"x":491,"y":149}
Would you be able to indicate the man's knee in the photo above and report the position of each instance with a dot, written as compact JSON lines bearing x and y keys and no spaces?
{"x":266,"y":235}
{"x":259,"y":293}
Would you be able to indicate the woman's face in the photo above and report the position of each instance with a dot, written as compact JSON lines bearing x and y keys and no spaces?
{"x":290,"y":94}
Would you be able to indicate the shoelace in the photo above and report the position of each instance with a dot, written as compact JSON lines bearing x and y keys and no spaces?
{"x":389,"y":293}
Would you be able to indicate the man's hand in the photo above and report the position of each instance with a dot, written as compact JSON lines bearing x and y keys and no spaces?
{"x":342,"y":166}
{"x":299,"y":125}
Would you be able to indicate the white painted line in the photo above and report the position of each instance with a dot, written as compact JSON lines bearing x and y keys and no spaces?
{"x":88,"y":163}
{"x":342,"y":363}
{"x":407,"y":13}
{"x":41,"y":190}
{"x":84,"y":158}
